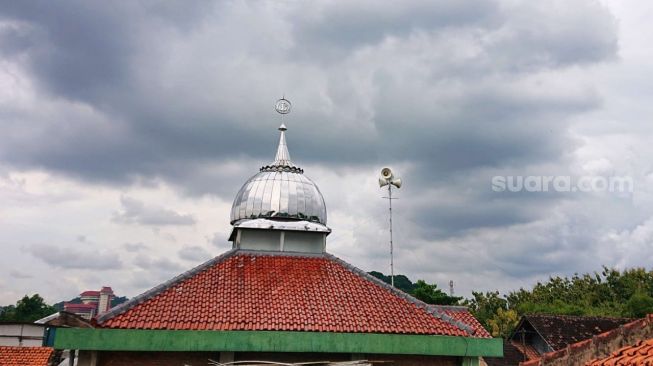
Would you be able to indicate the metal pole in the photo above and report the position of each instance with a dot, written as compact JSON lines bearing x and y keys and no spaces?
{"x":392,"y":266}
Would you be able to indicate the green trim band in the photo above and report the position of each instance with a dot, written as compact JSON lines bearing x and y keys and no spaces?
{"x":272,"y":341}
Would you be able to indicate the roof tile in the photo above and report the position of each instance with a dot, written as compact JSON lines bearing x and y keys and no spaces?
{"x":25,"y":356}
{"x":559,"y":331}
{"x":254,"y":291}
{"x":640,"y":354}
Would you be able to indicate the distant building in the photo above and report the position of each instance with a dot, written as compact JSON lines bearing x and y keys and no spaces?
{"x":93,"y":303}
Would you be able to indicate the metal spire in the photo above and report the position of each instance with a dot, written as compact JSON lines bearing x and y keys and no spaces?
{"x":282,"y":160}
{"x":283,"y":156}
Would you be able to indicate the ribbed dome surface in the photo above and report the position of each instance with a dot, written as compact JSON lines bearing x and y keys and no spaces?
{"x":280,"y":190}
{"x":279,"y":194}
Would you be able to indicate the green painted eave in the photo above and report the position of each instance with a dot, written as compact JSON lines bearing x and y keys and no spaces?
{"x":272,"y":341}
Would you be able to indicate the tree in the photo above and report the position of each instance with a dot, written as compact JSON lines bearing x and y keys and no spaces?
{"x":401,"y":282}
{"x":503,"y":323}
{"x":27,"y":309}
{"x":431,"y":294}
{"x":485,"y":305}
{"x":639,"y":305}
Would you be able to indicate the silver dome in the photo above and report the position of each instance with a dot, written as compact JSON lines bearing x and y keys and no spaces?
{"x":280,"y":190}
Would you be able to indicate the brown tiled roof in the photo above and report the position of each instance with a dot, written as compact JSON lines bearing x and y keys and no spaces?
{"x":527,"y":350}
{"x":640,"y":354}
{"x":601,"y":344}
{"x":512,"y":356}
{"x":25,"y":356}
{"x":243,"y":290}
{"x":559,"y":331}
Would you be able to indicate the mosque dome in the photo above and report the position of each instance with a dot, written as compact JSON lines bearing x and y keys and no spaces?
{"x":279,"y":191}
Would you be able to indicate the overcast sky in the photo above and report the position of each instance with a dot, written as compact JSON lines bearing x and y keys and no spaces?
{"x":128,"y":127}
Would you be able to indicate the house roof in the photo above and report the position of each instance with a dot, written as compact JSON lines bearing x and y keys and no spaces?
{"x":25,"y":356}
{"x":90,"y":293}
{"x":559,"y":331}
{"x":247,"y":290}
{"x":600,"y":344}
{"x":512,"y":356}
{"x":640,"y":354}
{"x":80,"y":307}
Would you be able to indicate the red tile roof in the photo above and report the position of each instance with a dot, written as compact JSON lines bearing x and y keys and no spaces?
{"x":25,"y":356}
{"x":461,"y":314}
{"x":90,"y":293}
{"x":263,"y":291}
{"x":640,"y":354}
{"x":78,"y":307}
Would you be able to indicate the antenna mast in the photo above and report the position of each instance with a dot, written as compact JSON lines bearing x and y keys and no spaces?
{"x":388,"y":179}
{"x":392,"y":263}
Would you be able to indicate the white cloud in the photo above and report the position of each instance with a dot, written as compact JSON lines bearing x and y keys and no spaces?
{"x":136,"y":212}
{"x":194,"y":253}
{"x":75,"y":258}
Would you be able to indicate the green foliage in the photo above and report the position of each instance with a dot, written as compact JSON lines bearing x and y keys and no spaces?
{"x":431,"y":294}
{"x":639,"y":305}
{"x":485,"y":305}
{"x":503,"y":323}
{"x":27,"y":309}
{"x":117,"y":300}
{"x":611,"y":292}
{"x":401,"y":282}
{"x":421,"y":290}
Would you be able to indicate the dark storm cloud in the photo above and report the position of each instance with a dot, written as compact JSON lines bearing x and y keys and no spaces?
{"x":346,"y":25}
{"x":449,"y":93}
{"x":141,"y":93}
{"x":82,"y":50}
{"x":75,"y":258}
{"x":108,"y":56}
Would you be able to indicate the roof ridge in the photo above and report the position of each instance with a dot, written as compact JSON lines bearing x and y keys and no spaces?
{"x":124,"y":307}
{"x":452,"y":307}
{"x":435,"y":310}
{"x":276,"y":253}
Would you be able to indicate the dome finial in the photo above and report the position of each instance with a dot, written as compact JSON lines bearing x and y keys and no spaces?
{"x":283,"y":156}
{"x":280,"y":193}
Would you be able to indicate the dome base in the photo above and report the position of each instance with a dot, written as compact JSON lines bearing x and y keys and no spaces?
{"x":282,"y":236}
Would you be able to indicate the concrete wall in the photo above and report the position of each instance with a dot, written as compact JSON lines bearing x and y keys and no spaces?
{"x":297,"y":241}
{"x":281,"y":240}
{"x":260,"y":239}
{"x":21,"y":335}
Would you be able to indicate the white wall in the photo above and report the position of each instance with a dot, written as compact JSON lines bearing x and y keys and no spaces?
{"x":26,"y":335}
